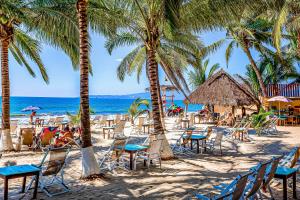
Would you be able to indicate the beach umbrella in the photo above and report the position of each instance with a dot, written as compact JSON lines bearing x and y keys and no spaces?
{"x":31,"y":108}
{"x":279,"y":99}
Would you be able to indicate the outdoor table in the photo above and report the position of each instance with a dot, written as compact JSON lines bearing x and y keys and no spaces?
{"x":132,"y":149}
{"x":18,"y":171}
{"x":285,"y":173}
{"x":110,"y":121}
{"x":185,"y":122}
{"x":197,"y":138}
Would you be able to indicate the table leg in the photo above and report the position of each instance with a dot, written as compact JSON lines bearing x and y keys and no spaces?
{"x":23,"y":184}
{"x":285,"y":188}
{"x":36,"y":185}
{"x":204,"y":145}
{"x":131,"y":161}
{"x":191,"y":144}
{"x":144,"y":129}
{"x":294,"y":186}
{"x":5,"y":188}
{"x":198,"y":146}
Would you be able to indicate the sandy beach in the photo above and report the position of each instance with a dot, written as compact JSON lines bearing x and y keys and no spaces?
{"x":180,"y":178}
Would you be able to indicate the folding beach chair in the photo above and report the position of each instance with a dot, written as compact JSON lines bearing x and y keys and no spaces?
{"x":180,"y":146}
{"x":119,"y":129}
{"x":117,"y":119}
{"x":256,"y":179}
{"x":269,"y":175}
{"x":291,"y":159}
{"x":113,"y":158}
{"x":52,"y":171}
{"x":27,"y":136}
{"x":152,"y":154}
{"x":232,"y":191}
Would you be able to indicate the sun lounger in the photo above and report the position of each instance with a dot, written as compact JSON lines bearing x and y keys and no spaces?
{"x":233,"y":191}
{"x":252,"y":189}
{"x":52,"y":171}
{"x":180,"y":147}
{"x":269,"y":175}
{"x":113,"y":157}
{"x":152,"y":154}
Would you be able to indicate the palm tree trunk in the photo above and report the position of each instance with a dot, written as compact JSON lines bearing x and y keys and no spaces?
{"x":161,"y":108}
{"x":158,"y":128}
{"x":6,"y":141}
{"x":257,"y":72}
{"x":89,"y":164}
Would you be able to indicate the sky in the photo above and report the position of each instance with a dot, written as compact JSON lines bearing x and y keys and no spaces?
{"x":64,"y":81}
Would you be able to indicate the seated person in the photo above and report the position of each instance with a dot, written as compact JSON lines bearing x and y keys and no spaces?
{"x":227,"y":121}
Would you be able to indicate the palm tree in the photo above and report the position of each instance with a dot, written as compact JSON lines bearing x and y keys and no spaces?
{"x":138,"y":107}
{"x":19,"y":20}
{"x":199,"y":74}
{"x":286,"y":14}
{"x":146,"y":22}
{"x":89,"y":163}
{"x":249,"y":34}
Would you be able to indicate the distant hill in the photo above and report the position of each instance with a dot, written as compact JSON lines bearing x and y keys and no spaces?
{"x":144,"y":95}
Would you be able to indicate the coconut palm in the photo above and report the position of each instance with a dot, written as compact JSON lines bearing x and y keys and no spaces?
{"x":19,"y":22}
{"x":249,"y":34}
{"x":286,"y":14}
{"x":146,"y":23}
{"x":89,"y":163}
{"x":138,"y":107}
{"x":200,"y":73}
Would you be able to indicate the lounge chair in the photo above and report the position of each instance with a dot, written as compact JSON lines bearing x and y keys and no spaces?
{"x":233,"y":191}
{"x":180,"y":146}
{"x":256,"y":179}
{"x":215,"y":142}
{"x":152,"y":154}
{"x":269,"y":175}
{"x":52,"y":170}
{"x":27,"y":136}
{"x":290,"y":160}
{"x":113,"y":157}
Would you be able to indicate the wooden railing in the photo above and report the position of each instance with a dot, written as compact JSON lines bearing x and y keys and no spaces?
{"x":287,"y":90}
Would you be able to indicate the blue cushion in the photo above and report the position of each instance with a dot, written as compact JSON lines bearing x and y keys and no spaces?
{"x":135,"y":147}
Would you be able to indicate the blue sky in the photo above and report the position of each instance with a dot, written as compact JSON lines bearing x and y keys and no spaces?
{"x":64,"y":81}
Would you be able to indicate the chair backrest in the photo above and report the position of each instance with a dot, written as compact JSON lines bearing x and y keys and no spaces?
{"x":237,"y":186}
{"x":209,"y":132}
{"x":258,"y":178}
{"x":54,"y":160}
{"x":13,"y":125}
{"x":120,"y":127}
{"x":27,"y":135}
{"x":47,"y":134}
{"x":155,"y":147}
{"x":291,"y":158}
{"x":186,"y":136}
{"x":192,"y":119}
{"x":270,"y":171}
{"x":141,"y":121}
{"x":117,"y":148}
{"x":118,"y":118}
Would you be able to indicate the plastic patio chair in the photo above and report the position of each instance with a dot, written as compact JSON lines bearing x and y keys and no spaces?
{"x":153,"y":153}
{"x":27,"y":136}
{"x":52,"y":171}
{"x":215,"y":142}
{"x":113,"y":157}
{"x":180,"y":146}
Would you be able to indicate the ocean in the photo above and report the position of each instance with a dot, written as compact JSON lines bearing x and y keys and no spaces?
{"x":59,"y":106}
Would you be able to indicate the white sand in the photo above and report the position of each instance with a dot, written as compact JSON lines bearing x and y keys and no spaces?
{"x":178,"y":179}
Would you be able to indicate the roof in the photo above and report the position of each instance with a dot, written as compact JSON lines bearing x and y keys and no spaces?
{"x":222,"y":89}
{"x":287,"y":90}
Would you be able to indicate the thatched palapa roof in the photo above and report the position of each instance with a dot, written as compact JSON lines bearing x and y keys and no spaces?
{"x":221,"y":89}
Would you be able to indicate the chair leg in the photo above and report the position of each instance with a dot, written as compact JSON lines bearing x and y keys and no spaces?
{"x":270,"y":191}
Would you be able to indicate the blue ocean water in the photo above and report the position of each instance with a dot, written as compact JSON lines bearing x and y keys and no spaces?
{"x":59,"y":106}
